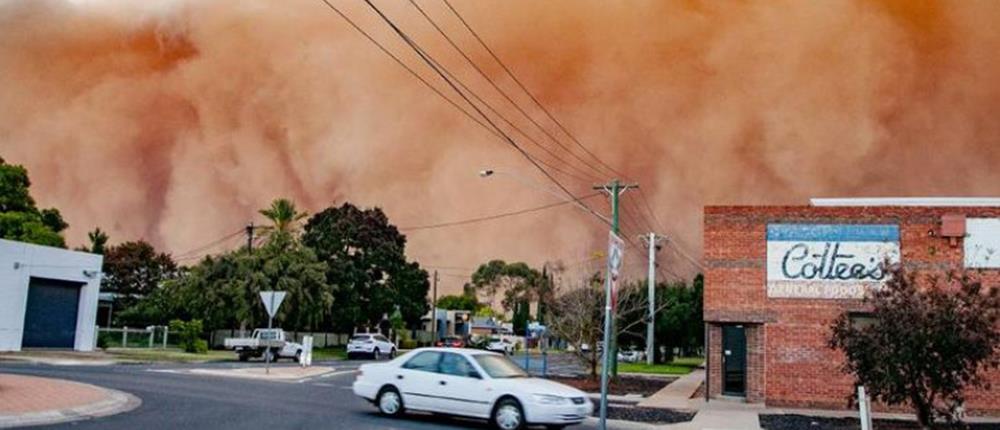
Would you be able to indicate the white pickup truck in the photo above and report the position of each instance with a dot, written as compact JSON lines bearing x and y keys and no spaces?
{"x":264,"y":342}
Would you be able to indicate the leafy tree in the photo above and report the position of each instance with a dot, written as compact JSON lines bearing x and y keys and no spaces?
{"x":463,"y":302}
{"x":517,"y":281}
{"x":366,"y":261}
{"x":20,"y":219}
{"x":134,"y":270}
{"x":98,"y":241}
{"x":284,"y":217}
{"x":680,"y":323}
{"x":927,"y":338}
{"x":224,"y":291}
{"x":522,"y":315}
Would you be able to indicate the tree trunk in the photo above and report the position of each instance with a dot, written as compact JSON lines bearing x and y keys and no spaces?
{"x":593,"y":364}
{"x":923,"y":411}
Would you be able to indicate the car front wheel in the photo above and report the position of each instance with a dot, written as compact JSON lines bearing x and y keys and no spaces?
{"x":508,"y":415}
{"x":389,"y":402}
{"x":375,"y":354}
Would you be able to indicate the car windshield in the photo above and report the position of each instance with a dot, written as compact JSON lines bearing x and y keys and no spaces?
{"x":498,"y":366}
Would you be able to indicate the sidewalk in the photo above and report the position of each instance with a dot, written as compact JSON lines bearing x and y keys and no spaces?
{"x":715,"y":415}
{"x":30,"y":400}
{"x":734,"y":414}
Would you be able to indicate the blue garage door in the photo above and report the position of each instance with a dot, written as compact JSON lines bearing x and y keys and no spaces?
{"x":50,"y":319}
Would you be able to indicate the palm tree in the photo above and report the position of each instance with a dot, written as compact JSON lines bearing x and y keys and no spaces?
{"x":98,"y":240}
{"x":284,"y":216}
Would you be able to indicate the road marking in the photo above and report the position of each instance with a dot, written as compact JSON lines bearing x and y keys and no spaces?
{"x":342,"y":372}
{"x":326,"y":375}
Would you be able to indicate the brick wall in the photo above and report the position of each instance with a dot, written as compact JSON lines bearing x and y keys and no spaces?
{"x":788,"y":361}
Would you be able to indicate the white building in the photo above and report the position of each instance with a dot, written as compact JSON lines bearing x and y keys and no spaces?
{"x":48,"y":297}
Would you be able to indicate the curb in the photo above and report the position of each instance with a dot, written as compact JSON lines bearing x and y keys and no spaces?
{"x":116,"y":403}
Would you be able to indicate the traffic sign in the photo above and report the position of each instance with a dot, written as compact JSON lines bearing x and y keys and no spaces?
{"x":272,"y":301}
{"x":616,"y":248}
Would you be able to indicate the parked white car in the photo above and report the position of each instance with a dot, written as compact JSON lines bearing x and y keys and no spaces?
{"x":372,"y":345}
{"x":631,"y":356}
{"x":500,"y":345}
{"x":471,"y":383}
{"x":268,"y":343}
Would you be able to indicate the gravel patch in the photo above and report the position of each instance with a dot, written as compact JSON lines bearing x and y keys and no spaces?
{"x":646,"y":415}
{"x":799,"y":422}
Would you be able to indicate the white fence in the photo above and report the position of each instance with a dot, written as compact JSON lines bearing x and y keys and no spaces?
{"x":131,"y":337}
{"x":217,"y":338}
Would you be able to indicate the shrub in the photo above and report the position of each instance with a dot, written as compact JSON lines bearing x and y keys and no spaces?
{"x":923,"y":343}
{"x":189,"y":336}
{"x":102,"y":340}
{"x":408,"y":344}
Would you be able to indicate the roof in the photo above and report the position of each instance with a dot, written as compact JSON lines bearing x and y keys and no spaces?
{"x":468,"y":351}
{"x":909,"y":201}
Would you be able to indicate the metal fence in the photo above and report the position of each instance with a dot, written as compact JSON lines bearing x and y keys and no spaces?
{"x":132,"y":337}
{"x":217,"y":338}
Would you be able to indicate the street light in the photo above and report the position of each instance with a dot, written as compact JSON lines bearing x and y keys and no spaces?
{"x":485,"y":173}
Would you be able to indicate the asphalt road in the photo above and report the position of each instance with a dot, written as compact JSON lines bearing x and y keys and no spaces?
{"x":177,"y":400}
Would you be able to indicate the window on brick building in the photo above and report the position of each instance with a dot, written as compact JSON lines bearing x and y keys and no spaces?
{"x":862,"y":319}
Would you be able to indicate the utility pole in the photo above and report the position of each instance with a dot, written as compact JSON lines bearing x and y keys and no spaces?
{"x":434,"y":310}
{"x":615,"y":189}
{"x":651,"y":239}
{"x":249,"y":230}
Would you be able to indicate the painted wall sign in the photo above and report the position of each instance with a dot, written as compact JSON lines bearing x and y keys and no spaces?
{"x":982,"y":243}
{"x":828,"y":261}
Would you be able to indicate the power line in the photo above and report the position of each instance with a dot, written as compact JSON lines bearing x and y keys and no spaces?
{"x":529,"y":93}
{"x":492,"y":217}
{"x":496,"y":112}
{"x":542,"y":107}
{"x":672,"y":242}
{"x":425,"y":57}
{"x":499,"y":90}
{"x":216,"y":242}
{"x":494,"y":131}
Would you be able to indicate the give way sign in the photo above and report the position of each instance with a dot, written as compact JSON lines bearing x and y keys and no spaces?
{"x":272,"y":301}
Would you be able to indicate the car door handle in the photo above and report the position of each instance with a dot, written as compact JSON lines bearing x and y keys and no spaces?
{"x":443,"y":383}
{"x":399,"y":376}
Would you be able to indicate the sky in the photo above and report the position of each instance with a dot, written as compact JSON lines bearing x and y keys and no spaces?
{"x":173,"y":121}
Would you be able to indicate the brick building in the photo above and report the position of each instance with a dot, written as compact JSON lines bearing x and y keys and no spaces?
{"x":777,"y":276}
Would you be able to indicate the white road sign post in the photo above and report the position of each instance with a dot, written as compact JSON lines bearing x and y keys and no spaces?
{"x":272,"y":301}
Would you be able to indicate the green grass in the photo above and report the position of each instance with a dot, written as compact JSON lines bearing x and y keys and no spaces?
{"x":689,"y":361}
{"x":680,"y":366}
{"x":334,"y":353}
{"x":169,"y":355}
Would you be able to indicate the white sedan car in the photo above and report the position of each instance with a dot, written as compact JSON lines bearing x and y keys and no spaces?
{"x":470,"y":383}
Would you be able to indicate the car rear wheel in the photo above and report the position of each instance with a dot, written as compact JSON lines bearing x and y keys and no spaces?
{"x":298,"y":356}
{"x":389,"y":402}
{"x":392,"y":353}
{"x":508,"y":415}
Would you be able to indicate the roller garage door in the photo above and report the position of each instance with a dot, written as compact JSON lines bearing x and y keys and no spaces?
{"x":50,"y":317}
